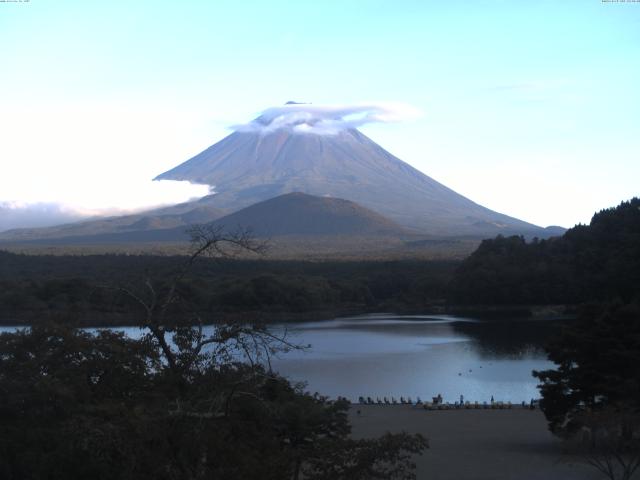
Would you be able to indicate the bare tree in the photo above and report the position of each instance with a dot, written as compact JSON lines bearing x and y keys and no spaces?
{"x":179,"y":331}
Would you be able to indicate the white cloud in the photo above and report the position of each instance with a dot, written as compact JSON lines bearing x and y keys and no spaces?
{"x":41,"y":214}
{"x":94,"y":200}
{"x":327,"y":119}
{"x":60,"y":163}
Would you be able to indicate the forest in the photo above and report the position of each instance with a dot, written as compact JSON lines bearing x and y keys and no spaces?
{"x":595,"y":262}
{"x":87,"y":287}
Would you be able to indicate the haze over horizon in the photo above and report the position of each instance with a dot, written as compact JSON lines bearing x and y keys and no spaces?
{"x":527,"y":109}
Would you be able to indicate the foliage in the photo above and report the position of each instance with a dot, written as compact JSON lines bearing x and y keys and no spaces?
{"x":600,"y":261}
{"x":594,"y":394}
{"x":70,"y":402}
{"x":597,"y":361}
{"x":388,"y":457}
{"x":592,"y":398}
{"x":76,"y":421}
{"x":180,"y":402}
{"x":34,"y":288}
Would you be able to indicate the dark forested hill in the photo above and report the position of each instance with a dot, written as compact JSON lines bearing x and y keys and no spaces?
{"x":588,"y":263}
{"x":302,"y":214}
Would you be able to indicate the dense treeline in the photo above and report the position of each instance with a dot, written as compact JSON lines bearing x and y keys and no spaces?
{"x":593,"y":392}
{"x":86,"y":287}
{"x":600,"y":261}
{"x":591,"y":398}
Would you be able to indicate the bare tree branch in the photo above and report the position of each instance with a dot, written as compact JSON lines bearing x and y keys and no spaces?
{"x":190,"y":343}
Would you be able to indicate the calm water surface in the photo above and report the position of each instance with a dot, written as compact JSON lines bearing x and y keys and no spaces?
{"x":392,"y":355}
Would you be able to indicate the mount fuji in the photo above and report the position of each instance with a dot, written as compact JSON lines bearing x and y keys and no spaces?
{"x":249,"y":167}
{"x":272,"y":158}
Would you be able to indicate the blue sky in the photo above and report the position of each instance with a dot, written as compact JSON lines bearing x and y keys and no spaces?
{"x":529,"y":108}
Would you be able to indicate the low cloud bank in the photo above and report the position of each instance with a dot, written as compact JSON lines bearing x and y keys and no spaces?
{"x":42,"y":214}
{"x":73,"y":204}
{"x":326,"y":119}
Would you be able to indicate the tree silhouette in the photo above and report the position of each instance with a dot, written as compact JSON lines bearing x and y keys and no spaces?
{"x":184,"y":401}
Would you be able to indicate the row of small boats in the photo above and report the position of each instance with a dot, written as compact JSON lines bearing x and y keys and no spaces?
{"x":438,"y":404}
{"x":387,"y":401}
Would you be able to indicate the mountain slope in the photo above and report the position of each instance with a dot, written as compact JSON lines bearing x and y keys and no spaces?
{"x":291,"y":214}
{"x":302,"y":214}
{"x":247,"y":167}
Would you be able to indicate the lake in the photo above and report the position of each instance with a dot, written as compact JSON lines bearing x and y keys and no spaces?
{"x":418,"y":355}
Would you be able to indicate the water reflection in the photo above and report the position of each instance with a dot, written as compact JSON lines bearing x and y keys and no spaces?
{"x":509,"y":339}
{"x":386,"y":355}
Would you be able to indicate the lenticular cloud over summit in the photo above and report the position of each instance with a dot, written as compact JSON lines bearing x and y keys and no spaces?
{"x":326,"y":119}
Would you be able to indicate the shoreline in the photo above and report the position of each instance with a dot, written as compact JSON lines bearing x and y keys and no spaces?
{"x":480,"y":312}
{"x":468,"y":405}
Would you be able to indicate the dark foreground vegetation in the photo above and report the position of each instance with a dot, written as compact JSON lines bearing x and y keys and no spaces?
{"x":77,"y":406}
{"x":175,"y":404}
{"x":592,"y":398}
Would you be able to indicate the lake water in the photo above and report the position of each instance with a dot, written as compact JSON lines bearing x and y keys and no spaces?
{"x":390,"y":355}
{"x":419,"y":355}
